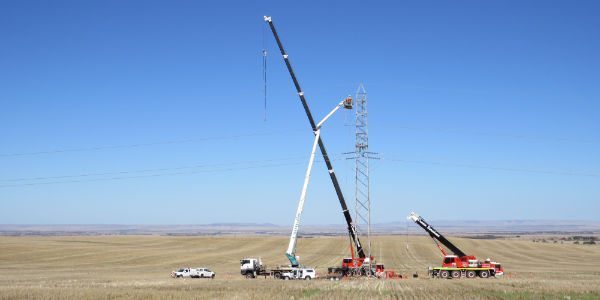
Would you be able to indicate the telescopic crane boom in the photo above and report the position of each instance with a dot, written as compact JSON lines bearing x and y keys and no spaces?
{"x":436,"y":235}
{"x":291,"y":251}
{"x":351,"y":229}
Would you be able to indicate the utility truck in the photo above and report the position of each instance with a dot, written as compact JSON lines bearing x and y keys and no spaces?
{"x":459,"y":264}
{"x":299,"y":274}
{"x":253,"y":267}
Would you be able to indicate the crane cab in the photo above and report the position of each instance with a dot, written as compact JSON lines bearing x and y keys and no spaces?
{"x":451,"y":261}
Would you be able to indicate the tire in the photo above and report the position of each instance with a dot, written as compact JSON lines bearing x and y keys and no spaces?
{"x":471,"y":274}
{"x":484,"y":274}
{"x":307,"y":278}
{"x":455,"y":274}
{"x":444,"y":274}
{"x":213,"y":276}
{"x":278,"y":275}
{"x":201,"y":275}
{"x":249,"y":275}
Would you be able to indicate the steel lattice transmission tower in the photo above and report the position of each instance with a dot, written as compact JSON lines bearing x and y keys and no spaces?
{"x":362,"y":155}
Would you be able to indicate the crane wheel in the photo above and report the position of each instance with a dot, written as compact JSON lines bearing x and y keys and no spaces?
{"x":471,"y":274}
{"x":278,"y":275}
{"x":455,"y":274}
{"x":444,"y":274}
{"x":484,"y":274}
{"x":248,"y":275}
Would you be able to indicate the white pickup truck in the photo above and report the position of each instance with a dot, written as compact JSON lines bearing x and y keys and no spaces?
{"x":299,"y":273}
{"x":193,"y":273}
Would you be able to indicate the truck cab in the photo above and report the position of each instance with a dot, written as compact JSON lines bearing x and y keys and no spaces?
{"x":453,"y":261}
{"x":249,"y":267}
{"x":183,"y":272}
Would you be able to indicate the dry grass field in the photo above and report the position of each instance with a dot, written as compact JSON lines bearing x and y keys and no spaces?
{"x":138,"y":267}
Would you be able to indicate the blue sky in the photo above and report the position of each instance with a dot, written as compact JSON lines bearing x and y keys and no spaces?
{"x":148,"y":112}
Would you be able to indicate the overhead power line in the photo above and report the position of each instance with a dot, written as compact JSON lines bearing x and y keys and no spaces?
{"x":158,"y":172}
{"x":237,"y":166}
{"x":244,"y":135}
{"x":461,"y":165}
{"x":146,"y":170}
{"x":150,"y":175}
{"x":139,"y":145}
{"x":516,"y":136}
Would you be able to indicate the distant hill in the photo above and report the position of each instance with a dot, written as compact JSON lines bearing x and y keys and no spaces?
{"x":524,"y":227}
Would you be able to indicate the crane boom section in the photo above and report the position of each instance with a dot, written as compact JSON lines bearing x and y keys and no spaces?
{"x":435,"y":234}
{"x":334,"y":180}
{"x":291,"y":250}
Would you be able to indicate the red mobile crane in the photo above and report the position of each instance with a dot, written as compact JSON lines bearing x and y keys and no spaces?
{"x":459,"y":264}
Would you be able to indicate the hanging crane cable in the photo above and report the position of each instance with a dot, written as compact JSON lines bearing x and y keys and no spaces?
{"x":264,"y":71}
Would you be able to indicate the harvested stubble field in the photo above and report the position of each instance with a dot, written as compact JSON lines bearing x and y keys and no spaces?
{"x":138,"y":267}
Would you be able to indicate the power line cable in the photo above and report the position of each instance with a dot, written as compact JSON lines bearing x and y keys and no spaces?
{"x":146,"y":170}
{"x":149,"y":175}
{"x":226,"y":137}
{"x":159,"y":174}
{"x":498,"y":134}
{"x":564,"y":173}
{"x":138,"y":145}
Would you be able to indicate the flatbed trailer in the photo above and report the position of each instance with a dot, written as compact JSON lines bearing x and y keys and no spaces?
{"x":275,"y":273}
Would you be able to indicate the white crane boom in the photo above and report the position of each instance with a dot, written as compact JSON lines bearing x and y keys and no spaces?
{"x":291,"y":250}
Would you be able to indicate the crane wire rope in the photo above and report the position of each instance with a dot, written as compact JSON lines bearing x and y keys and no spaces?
{"x":264,"y":70}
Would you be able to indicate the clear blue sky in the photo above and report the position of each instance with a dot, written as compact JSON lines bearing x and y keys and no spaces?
{"x":112,"y":110}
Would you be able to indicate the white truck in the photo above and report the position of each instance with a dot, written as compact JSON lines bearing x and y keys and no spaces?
{"x":253,"y":267}
{"x":299,"y":274}
{"x":193,"y":273}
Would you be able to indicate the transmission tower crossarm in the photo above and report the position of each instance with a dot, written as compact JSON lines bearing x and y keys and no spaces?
{"x":351,"y":229}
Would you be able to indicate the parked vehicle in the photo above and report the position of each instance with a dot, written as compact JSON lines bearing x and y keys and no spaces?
{"x":193,"y":273}
{"x":299,"y":274}
{"x":203,"y":273}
